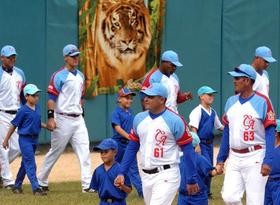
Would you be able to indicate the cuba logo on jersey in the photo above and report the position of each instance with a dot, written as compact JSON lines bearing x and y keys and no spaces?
{"x":160,"y":137}
{"x":249,"y":125}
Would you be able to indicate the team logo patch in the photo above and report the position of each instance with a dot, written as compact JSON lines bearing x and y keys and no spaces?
{"x":248,"y":122}
{"x":160,"y":137}
{"x":270,"y":116}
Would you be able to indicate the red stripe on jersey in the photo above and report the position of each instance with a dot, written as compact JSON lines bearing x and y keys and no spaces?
{"x":146,"y":82}
{"x":51,"y":88}
{"x":270,"y":115}
{"x":133,"y":136}
{"x":224,"y":119}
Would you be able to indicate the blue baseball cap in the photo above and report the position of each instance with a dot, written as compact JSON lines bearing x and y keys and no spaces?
{"x":125,"y":92}
{"x":70,"y":50}
{"x":265,"y":53}
{"x":156,"y":89}
{"x":106,"y":144}
{"x":244,"y":70}
{"x":8,"y":51}
{"x":30,"y":89}
{"x":195,"y":139}
{"x":277,"y":129}
{"x":205,"y":90}
{"x":172,"y":57}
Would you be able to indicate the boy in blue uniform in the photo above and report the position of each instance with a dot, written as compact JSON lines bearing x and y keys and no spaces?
{"x":103,"y":177}
{"x":28,"y":122}
{"x":204,"y":170}
{"x":122,"y":121}
{"x":203,"y":120}
{"x":272,"y":188}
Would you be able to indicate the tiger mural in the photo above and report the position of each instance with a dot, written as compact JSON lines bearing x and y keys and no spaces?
{"x":122,"y":35}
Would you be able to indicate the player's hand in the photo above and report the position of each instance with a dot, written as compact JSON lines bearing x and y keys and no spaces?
{"x":119,"y":181}
{"x":220,"y":168}
{"x":265,"y":170}
{"x":5,"y":144}
{"x":192,"y":189}
{"x":51,"y":124}
{"x":188,"y":95}
{"x":198,"y":149}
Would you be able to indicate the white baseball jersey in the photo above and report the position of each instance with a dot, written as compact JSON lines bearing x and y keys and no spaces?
{"x":261,"y":84}
{"x":171,"y":83}
{"x":11,"y":86}
{"x":159,"y":138}
{"x":247,"y":121}
{"x":69,"y":89}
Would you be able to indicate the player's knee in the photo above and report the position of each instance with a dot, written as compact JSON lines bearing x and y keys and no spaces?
{"x":231,"y":199}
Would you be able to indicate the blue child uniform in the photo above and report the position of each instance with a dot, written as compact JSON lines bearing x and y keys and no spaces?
{"x":28,"y":122}
{"x":124,"y":118}
{"x":203,"y":168}
{"x":103,"y":182}
{"x":272,"y":188}
{"x":205,"y":122}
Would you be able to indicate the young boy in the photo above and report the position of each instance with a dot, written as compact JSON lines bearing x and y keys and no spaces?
{"x":272,"y":189}
{"x":204,"y":170}
{"x":122,"y":120}
{"x":28,"y":122}
{"x":203,"y":120}
{"x":103,"y":177}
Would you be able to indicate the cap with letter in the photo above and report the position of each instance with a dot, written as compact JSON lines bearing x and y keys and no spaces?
{"x":70,"y":50}
{"x":244,"y":70}
{"x":30,"y":89}
{"x":8,"y":51}
{"x":171,"y":57}
{"x":125,"y":92}
{"x":106,"y":144}
{"x":156,"y":89}
{"x":265,"y":53}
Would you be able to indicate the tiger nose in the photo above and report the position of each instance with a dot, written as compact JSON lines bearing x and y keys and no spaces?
{"x":126,"y":41}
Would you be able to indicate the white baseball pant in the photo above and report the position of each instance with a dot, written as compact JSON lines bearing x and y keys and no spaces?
{"x":68,"y":130}
{"x":7,"y":156}
{"x":243,"y":174}
{"x":161,"y":188}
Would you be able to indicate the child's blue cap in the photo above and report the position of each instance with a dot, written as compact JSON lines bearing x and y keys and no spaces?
{"x":265,"y":53}
{"x":8,"y":50}
{"x":70,"y":50}
{"x":171,"y":57}
{"x":125,"y":92}
{"x":244,"y":70}
{"x":205,"y":90}
{"x":106,"y":144}
{"x":195,"y":139}
{"x":30,"y":89}
{"x":156,"y":89}
{"x":278,"y":125}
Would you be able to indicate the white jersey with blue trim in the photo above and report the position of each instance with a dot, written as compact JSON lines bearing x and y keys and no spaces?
{"x":69,"y":88}
{"x":247,"y":121}
{"x":261,"y":84}
{"x":159,"y":138}
{"x":11,"y":85}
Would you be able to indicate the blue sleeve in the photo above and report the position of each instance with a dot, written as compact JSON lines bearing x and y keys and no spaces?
{"x":17,"y":121}
{"x":204,"y":165}
{"x":189,"y":158}
{"x":52,"y":97}
{"x":224,"y":147}
{"x":22,"y":98}
{"x":115,"y":119}
{"x":129,"y":155}
{"x":127,"y":180}
{"x":94,"y":182}
{"x":270,"y":140}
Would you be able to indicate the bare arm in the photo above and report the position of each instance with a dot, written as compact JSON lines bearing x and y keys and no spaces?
{"x":121,"y":132}
{"x":125,"y":188}
{"x":197,"y":148}
{"x":51,"y":125}
{"x":8,"y":136}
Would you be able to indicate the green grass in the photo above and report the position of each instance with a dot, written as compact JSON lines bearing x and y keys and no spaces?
{"x":69,"y":193}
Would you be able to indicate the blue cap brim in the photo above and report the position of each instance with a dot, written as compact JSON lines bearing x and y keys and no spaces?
{"x":74,"y":54}
{"x":32,"y":92}
{"x":236,"y":74}
{"x":148,"y":92}
{"x":102,"y":148}
{"x":208,"y":92}
{"x":270,"y":59}
{"x":177,"y":63}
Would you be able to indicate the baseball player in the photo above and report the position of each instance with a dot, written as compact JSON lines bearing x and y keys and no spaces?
{"x":203,"y":120}
{"x":28,"y":122}
{"x":204,"y":169}
{"x":272,"y":188}
{"x":103,"y":177}
{"x":12,"y":81}
{"x":122,"y":119}
{"x":158,"y":133}
{"x":247,"y":141}
{"x":165,"y":74}
{"x":65,"y":118}
{"x":263,"y":57}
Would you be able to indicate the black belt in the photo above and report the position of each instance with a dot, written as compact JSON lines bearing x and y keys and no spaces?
{"x":12,"y":112}
{"x":70,"y":115}
{"x":156,"y":170}
{"x":273,"y":179}
{"x":206,"y":141}
{"x":111,"y":200}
